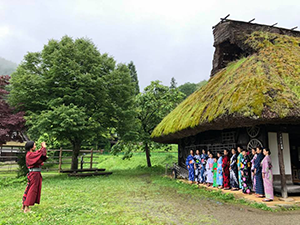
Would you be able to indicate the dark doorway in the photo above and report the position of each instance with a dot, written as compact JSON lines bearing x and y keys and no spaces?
{"x":295,"y":156}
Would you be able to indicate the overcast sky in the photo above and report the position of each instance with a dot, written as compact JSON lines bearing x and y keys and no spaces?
{"x":164,"y":38}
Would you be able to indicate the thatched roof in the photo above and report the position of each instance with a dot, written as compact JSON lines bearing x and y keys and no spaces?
{"x":263,"y":88}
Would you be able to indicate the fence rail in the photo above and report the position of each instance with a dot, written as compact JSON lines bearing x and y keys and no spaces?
{"x":9,"y":157}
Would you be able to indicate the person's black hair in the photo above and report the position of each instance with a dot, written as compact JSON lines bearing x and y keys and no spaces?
{"x":29,"y":145}
{"x":260,"y":148}
{"x":244,"y":150}
{"x":268,"y":150}
{"x":219,"y":153}
{"x":226,"y":149}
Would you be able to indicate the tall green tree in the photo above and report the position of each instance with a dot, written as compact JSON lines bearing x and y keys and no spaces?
{"x":189,"y":88}
{"x":134,"y":77}
{"x":153,"y":104}
{"x":173,"y":83}
{"x":72,"y":92}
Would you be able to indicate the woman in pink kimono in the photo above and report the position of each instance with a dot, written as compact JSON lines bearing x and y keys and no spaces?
{"x":267,"y":176}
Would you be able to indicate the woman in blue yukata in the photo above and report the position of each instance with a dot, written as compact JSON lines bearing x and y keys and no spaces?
{"x":190,"y":163}
{"x":219,"y":170}
{"x":202,"y":165}
{"x":239,"y":164}
{"x":197,"y":159}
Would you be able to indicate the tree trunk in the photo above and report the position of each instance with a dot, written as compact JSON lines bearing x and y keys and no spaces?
{"x":76,"y":149}
{"x":281,"y":165}
{"x":147,"y":150}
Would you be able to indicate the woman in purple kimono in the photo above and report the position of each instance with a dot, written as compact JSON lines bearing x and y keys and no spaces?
{"x":209,"y":170}
{"x":267,"y":176}
{"x":254,"y":156}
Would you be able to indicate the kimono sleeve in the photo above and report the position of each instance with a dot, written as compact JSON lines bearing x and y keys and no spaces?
{"x":187,"y":161}
{"x":233,"y":161}
{"x":257,"y":162}
{"x":34,"y":157}
{"x":265,"y":165}
{"x":224,"y":162}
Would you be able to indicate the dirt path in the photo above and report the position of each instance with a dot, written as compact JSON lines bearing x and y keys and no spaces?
{"x":172,"y":207}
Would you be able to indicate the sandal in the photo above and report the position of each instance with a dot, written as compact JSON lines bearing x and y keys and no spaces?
{"x":267,"y":200}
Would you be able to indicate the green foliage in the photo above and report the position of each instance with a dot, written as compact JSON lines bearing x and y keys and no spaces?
{"x":173,"y":83}
{"x":7,"y":67}
{"x":153,"y":104}
{"x":73,"y":93}
{"x":265,"y":85}
{"x":189,"y":88}
{"x":22,"y":170}
{"x":134,"y":77}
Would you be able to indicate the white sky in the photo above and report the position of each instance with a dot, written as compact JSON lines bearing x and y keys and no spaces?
{"x":166,"y":38}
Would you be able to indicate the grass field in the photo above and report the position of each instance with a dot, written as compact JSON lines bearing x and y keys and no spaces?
{"x":134,"y":194}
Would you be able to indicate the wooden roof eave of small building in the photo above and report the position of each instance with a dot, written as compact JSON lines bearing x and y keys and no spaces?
{"x":263,"y":88}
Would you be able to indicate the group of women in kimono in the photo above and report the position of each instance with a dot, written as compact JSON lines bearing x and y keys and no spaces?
{"x":248,"y":172}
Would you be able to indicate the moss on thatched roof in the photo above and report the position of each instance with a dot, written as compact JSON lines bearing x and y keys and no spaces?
{"x":259,"y":89}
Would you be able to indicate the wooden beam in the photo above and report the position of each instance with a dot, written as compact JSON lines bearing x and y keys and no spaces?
{"x":294,"y":28}
{"x":281,"y":164}
{"x":223,"y":19}
{"x":273,"y":24}
{"x":251,"y":20}
{"x":60,"y":160}
{"x":91,"y":162}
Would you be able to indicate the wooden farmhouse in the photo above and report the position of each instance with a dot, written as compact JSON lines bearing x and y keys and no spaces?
{"x":252,"y":99}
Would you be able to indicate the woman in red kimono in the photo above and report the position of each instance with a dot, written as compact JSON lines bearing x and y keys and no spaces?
{"x":226,"y":173}
{"x":34,"y":161}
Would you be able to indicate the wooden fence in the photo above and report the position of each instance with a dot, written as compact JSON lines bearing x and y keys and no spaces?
{"x":9,"y":158}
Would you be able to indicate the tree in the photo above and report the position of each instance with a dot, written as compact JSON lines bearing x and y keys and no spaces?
{"x":73,"y":93}
{"x":134,"y":77}
{"x":153,"y":104}
{"x":189,"y":88}
{"x":173,"y":83}
{"x":10,"y":123}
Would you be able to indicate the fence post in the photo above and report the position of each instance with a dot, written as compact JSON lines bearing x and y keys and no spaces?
{"x":91,"y":163}
{"x":60,"y":160}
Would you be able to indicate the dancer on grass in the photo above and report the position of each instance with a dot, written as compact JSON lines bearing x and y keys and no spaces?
{"x":34,"y":161}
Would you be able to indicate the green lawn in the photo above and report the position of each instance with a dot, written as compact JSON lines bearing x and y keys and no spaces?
{"x":134,"y":194}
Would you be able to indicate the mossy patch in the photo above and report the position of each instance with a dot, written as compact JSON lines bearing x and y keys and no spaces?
{"x":268,"y":79}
